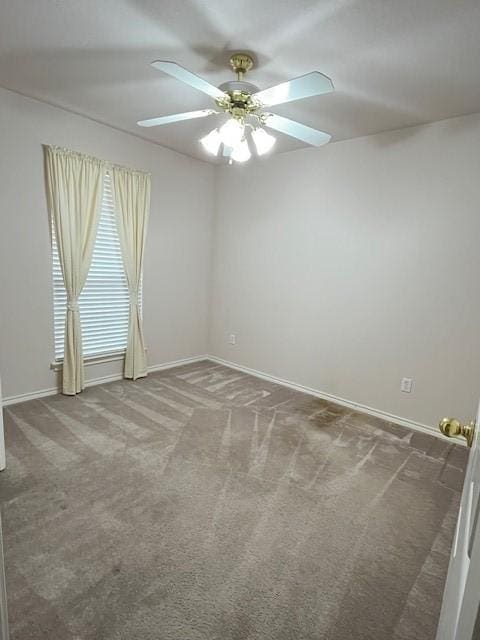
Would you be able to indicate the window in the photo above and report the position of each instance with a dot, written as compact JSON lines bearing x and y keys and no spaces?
{"x":104,"y":301}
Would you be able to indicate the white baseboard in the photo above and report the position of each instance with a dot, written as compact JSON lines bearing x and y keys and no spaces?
{"x":377,"y":413}
{"x":356,"y":406}
{"x":177,"y":363}
{"x":43,"y":393}
{"x":31,"y":395}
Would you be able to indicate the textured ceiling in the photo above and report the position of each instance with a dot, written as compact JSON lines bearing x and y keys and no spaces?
{"x":394,"y":63}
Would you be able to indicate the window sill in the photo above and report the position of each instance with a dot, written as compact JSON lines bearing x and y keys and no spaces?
{"x":57,"y":365}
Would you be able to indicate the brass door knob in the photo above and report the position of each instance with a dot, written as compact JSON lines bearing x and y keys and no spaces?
{"x":452,"y":428}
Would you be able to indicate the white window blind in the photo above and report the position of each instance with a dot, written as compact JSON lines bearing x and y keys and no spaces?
{"x":104,"y":301}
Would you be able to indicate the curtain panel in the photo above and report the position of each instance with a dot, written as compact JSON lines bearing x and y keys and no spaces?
{"x":74,"y":190}
{"x":131,"y":195}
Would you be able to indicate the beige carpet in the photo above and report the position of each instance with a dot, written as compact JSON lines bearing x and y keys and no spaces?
{"x":205,"y":504}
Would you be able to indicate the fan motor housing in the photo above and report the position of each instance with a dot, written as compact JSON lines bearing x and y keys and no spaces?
{"x":240,"y":103}
{"x":239,"y":86}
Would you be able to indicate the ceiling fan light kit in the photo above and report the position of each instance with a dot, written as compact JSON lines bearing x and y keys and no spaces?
{"x":244,"y":105}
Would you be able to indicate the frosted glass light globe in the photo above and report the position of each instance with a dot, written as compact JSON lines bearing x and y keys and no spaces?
{"x":241,"y":152}
{"x":211,"y":142}
{"x":263,"y":141}
{"x":231,"y":132}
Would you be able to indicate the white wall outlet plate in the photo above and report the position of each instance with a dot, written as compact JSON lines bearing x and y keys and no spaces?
{"x":232,"y":338}
{"x":406,"y":385}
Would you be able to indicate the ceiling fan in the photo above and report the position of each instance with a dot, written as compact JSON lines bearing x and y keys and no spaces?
{"x":245,"y":104}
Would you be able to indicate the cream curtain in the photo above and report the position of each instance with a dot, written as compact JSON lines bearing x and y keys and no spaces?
{"x":131,"y":192}
{"x":74,"y":192}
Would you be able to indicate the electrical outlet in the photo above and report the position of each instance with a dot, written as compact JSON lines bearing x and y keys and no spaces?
{"x":232,"y":338}
{"x":406,"y":385}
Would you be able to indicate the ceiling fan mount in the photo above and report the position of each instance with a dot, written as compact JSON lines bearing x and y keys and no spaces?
{"x":246,"y":104}
{"x":241,"y":63}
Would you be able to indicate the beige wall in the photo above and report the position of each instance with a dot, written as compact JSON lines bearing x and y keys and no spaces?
{"x":347,"y":267}
{"x":177,"y":253}
{"x":342,"y":268}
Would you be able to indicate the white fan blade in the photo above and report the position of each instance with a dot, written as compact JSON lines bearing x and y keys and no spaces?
{"x":297,"y":130}
{"x":311,"y":84}
{"x":176,"y":117}
{"x":227,"y":151}
{"x":175,"y":70}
